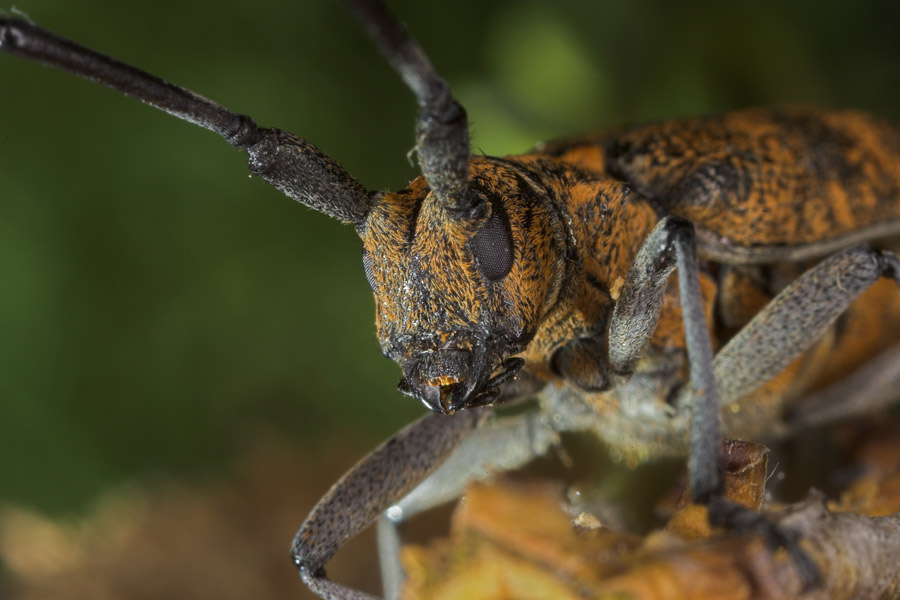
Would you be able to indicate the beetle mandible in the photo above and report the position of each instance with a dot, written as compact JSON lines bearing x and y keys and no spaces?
{"x":505,"y":266}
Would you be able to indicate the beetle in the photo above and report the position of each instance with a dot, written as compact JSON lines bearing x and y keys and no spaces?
{"x":447,"y":370}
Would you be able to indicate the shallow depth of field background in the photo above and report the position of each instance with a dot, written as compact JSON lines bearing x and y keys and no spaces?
{"x":159,"y":308}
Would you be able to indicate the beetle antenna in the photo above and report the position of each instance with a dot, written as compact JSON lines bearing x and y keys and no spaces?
{"x":294,"y":166}
{"x":442,"y":130}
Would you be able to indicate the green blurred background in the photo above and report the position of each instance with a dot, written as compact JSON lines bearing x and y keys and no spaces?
{"x":158,"y":305}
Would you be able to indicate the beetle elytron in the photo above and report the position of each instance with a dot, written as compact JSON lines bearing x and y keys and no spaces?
{"x":496,"y":278}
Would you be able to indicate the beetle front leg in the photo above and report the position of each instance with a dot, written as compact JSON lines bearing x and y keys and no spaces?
{"x":376,"y":482}
{"x":672,"y":245}
{"x":501,"y":444}
{"x":785,"y":328}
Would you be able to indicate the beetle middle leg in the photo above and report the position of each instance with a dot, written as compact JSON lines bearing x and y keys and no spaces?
{"x":797,"y":317}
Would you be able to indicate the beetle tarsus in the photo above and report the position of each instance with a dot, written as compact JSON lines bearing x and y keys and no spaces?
{"x":740,"y":519}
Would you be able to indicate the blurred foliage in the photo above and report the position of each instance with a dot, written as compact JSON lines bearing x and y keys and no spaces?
{"x":158,"y":304}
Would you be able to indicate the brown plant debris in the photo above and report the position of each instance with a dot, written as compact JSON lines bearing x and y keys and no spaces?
{"x":512,"y":538}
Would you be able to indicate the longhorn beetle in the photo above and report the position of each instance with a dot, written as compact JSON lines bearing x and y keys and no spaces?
{"x":496,"y":278}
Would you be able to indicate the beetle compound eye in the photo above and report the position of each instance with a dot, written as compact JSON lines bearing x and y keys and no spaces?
{"x":367,"y":267}
{"x":492,"y":248}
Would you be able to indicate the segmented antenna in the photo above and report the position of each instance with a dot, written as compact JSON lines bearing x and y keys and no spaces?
{"x":442,"y":130}
{"x":294,"y":166}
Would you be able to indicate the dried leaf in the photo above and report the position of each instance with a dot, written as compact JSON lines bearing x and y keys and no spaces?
{"x":512,"y":538}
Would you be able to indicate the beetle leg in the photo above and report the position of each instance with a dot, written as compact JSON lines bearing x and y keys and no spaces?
{"x":787,"y":326}
{"x":373,"y":484}
{"x":499,"y":445}
{"x":796,"y":318}
{"x":704,"y":462}
{"x":672,"y":245}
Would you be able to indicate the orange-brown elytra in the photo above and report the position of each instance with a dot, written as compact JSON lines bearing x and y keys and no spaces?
{"x":600,"y":272}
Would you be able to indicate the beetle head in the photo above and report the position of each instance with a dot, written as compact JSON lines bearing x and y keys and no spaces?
{"x":459,"y":292}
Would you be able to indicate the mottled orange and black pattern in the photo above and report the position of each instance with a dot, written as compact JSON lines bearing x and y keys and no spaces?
{"x":761,"y":177}
{"x":578,"y":212}
{"x":791,"y":177}
{"x":425,"y":279}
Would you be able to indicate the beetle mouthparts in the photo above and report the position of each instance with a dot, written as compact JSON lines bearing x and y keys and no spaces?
{"x":444,"y":399}
{"x":447,"y":399}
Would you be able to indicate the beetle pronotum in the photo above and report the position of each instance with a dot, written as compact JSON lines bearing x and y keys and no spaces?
{"x":304,"y":132}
